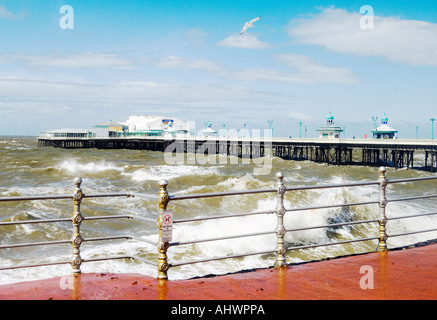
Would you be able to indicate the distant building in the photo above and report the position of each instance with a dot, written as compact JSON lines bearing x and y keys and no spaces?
{"x":110,"y":129}
{"x":140,"y":125}
{"x":144,"y":125}
{"x":384,"y":131}
{"x":66,"y":133}
{"x":330,"y":130}
{"x":208,"y":131}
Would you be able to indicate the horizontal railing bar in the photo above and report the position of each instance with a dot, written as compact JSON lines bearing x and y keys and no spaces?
{"x":207,"y":195}
{"x":21,"y":245}
{"x":221,"y":238}
{"x":143,"y":240}
{"x":413,"y":198}
{"x":273,"y":211}
{"x":411,"y":179}
{"x":106,"y":258}
{"x":140,"y":218}
{"x":34,"y":221}
{"x":408,"y":233}
{"x":64,"y":220}
{"x":143,"y":195}
{"x":413,"y":216}
{"x":63,"y":197}
{"x":108,"y":217}
{"x":224,"y":216}
{"x":28,"y":198}
{"x":220,"y":194}
{"x":35,"y":265}
{"x":8,"y":223}
{"x":233,"y":193}
{"x":106,"y":238}
{"x":144,"y":260}
{"x":331,"y":243}
{"x":333,"y":206}
{"x":221,"y":258}
{"x":333,"y":225}
{"x":106,"y":195}
{"x":325,"y":186}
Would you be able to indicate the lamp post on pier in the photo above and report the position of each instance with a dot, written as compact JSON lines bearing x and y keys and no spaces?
{"x":432,"y":128}
{"x":270,"y":127}
{"x":374,"y":121}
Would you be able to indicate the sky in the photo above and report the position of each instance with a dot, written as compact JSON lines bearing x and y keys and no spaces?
{"x":107,"y":60}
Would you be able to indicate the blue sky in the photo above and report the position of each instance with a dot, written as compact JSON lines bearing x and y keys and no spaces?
{"x":187,"y":59}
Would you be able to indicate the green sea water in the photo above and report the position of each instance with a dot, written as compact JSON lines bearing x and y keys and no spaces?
{"x":26,"y":170}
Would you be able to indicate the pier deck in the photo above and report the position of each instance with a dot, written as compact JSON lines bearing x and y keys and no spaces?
{"x":398,"y":275}
{"x":366,"y":152}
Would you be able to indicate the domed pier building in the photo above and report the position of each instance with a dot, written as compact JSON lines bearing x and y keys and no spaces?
{"x":330,"y":130}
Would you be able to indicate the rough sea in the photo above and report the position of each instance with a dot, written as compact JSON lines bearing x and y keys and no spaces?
{"x":27,"y":170}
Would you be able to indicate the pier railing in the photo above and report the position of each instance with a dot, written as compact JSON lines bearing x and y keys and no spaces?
{"x":167,"y":220}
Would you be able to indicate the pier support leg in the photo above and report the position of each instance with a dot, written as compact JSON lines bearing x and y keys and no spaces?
{"x":163,"y":199}
{"x":280,"y":229}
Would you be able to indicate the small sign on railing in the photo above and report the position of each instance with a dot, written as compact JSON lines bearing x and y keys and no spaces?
{"x":167,"y":226}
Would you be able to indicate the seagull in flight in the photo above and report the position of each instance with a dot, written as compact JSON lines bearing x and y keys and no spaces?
{"x":249,"y":24}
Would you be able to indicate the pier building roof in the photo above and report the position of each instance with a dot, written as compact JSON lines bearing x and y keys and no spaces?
{"x":330,"y":130}
{"x":65,"y":133}
{"x":148,"y":123}
{"x":208,"y":131}
{"x":384,"y":131}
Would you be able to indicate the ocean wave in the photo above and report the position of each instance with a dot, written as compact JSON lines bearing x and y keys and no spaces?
{"x":169,"y":172}
{"x":75,"y":167}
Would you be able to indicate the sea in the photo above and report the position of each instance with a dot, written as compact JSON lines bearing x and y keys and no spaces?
{"x":29,"y":170}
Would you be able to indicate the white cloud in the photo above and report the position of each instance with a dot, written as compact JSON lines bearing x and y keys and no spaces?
{"x":182,"y":63}
{"x":245,"y":41}
{"x":6,"y":14}
{"x":303,"y":70}
{"x":398,"y":40}
{"x":195,"y":37}
{"x":299,"y":116}
{"x":75,"y":60}
{"x":307,"y":70}
{"x":121,"y":92}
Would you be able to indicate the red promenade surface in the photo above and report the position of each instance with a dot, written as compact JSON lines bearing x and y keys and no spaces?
{"x":398,"y":275}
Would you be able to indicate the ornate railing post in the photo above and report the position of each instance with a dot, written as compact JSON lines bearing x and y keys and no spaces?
{"x":76,"y":239}
{"x":163,"y":199}
{"x":280,"y":229}
{"x":382,"y":246}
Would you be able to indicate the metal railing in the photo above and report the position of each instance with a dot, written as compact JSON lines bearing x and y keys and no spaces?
{"x":77,"y":219}
{"x":165,"y":242}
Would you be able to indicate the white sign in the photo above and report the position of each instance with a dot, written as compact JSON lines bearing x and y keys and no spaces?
{"x":167,"y":226}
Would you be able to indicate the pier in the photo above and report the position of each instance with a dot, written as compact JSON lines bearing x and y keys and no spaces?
{"x":365,"y":152}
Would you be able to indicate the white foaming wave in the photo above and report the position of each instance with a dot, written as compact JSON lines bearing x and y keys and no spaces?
{"x":32,"y":274}
{"x":74,"y":167}
{"x":246,"y":182}
{"x":397,"y":209}
{"x":241,"y":226}
{"x":17,"y":148}
{"x":168,"y":172}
